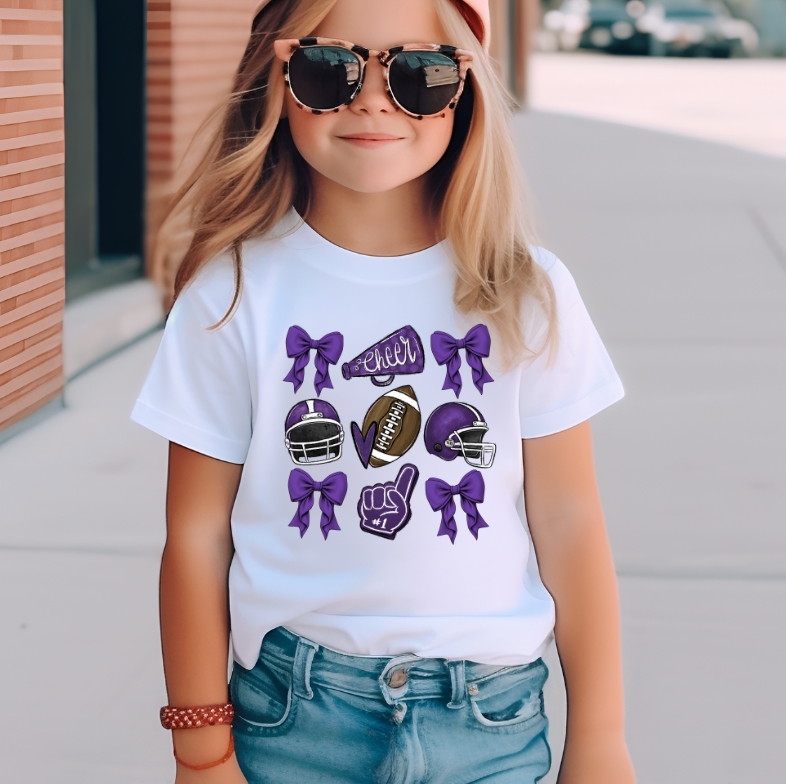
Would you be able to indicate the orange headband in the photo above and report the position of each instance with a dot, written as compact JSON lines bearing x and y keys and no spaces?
{"x":475,"y":13}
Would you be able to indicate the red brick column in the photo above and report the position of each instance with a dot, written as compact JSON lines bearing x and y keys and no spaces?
{"x":194,"y":47}
{"x":32,"y":155}
{"x":510,"y":47}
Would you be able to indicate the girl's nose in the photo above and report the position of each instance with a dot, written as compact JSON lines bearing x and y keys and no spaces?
{"x":373,"y":97}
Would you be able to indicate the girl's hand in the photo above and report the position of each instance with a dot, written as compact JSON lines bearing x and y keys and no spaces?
{"x":596,"y":759}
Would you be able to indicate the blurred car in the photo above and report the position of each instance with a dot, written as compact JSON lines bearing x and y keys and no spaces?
{"x":697,"y":29}
{"x":608,"y":25}
{"x":673,"y":27}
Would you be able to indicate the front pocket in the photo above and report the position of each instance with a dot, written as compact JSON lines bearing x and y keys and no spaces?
{"x":510,"y":698}
{"x":263,"y":701}
{"x":519,"y":713}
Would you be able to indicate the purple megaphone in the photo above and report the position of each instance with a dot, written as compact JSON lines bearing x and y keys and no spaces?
{"x":398,"y":354}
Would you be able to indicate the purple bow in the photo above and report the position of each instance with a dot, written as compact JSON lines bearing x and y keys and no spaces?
{"x":299,"y":345}
{"x":471,"y":489}
{"x":477,"y":343}
{"x":332,"y":492}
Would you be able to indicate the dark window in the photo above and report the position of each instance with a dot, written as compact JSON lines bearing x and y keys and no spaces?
{"x":104,"y":75}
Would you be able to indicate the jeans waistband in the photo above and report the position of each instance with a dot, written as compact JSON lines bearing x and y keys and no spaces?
{"x":370,"y":676}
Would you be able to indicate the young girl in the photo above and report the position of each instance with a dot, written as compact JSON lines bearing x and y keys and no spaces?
{"x":365,"y":366}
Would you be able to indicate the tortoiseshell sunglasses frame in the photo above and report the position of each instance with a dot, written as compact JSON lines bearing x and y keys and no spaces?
{"x":286,"y":47}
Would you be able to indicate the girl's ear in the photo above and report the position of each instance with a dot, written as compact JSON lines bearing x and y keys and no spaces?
{"x":283,"y":47}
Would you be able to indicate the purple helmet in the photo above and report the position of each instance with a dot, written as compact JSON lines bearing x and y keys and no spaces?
{"x":458,"y":428}
{"x":313,"y":433}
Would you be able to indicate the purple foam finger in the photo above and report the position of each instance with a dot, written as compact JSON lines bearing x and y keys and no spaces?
{"x":383,"y":509}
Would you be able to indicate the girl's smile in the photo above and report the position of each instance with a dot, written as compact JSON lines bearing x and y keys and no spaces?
{"x":370,"y":141}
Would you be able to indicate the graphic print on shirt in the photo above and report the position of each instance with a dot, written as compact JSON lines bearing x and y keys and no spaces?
{"x":313,"y":433}
{"x":390,"y":428}
{"x":476,"y":343}
{"x":332,"y":492}
{"x":400,"y":353}
{"x":456,"y":428}
{"x":471,"y":490}
{"x":299,"y":345}
{"x":384,"y":509}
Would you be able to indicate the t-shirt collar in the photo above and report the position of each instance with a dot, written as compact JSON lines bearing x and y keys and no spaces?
{"x":339,"y":261}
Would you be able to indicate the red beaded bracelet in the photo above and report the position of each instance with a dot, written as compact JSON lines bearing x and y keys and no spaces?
{"x":191,"y":718}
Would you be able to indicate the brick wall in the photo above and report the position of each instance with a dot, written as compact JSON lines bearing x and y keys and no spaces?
{"x":32,"y":262}
{"x":194,"y":47}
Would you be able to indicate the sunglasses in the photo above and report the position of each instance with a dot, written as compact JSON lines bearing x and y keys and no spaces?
{"x":325,"y":74}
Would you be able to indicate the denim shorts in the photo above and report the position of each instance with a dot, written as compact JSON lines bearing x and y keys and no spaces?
{"x":306,"y":713}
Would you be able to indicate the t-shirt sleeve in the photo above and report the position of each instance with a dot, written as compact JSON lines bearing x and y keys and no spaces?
{"x":197,"y":391}
{"x":580,"y":380}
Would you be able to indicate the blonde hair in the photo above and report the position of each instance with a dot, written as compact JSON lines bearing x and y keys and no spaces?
{"x":252,"y":174}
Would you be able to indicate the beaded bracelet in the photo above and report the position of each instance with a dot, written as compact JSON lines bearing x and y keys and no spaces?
{"x":191,"y":718}
{"x":207,"y":765}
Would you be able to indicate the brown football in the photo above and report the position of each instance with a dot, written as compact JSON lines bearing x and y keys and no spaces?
{"x":397,"y":415}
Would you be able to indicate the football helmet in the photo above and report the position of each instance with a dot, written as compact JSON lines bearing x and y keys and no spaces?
{"x":458,"y":428}
{"x":313,"y":433}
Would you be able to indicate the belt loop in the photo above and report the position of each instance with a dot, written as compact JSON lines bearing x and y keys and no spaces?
{"x":458,"y":682}
{"x":301,"y":668}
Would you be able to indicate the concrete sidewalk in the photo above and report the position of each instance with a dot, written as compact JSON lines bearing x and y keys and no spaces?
{"x":679,"y":249}
{"x":737,"y":101}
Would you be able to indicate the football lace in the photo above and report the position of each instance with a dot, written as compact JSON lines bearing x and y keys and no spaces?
{"x":390,"y":425}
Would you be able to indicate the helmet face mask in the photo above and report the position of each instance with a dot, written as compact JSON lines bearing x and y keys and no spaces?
{"x":313,"y":436}
{"x":458,"y":428}
{"x":469,"y":442}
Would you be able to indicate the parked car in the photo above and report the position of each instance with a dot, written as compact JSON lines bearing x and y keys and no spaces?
{"x":665,"y":27}
{"x":608,"y":25}
{"x":699,"y":29}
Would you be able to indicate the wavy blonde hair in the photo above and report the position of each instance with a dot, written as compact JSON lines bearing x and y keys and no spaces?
{"x":252,"y":174}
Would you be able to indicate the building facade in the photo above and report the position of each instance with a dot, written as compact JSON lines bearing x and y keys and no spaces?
{"x":32,"y":213}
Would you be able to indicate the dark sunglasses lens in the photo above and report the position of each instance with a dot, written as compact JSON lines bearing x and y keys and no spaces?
{"x":323,"y":77}
{"x":424,"y":82}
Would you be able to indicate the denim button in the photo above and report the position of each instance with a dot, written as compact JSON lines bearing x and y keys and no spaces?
{"x":398,"y":678}
{"x":399,"y":711}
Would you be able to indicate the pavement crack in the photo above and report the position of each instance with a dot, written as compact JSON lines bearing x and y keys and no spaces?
{"x":769,"y":238}
{"x":676,"y":574}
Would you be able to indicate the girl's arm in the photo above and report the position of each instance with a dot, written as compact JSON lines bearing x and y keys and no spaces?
{"x":574,"y":558}
{"x":195,"y":604}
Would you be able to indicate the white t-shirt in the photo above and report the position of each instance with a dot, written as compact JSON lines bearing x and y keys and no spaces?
{"x":383,"y":513}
